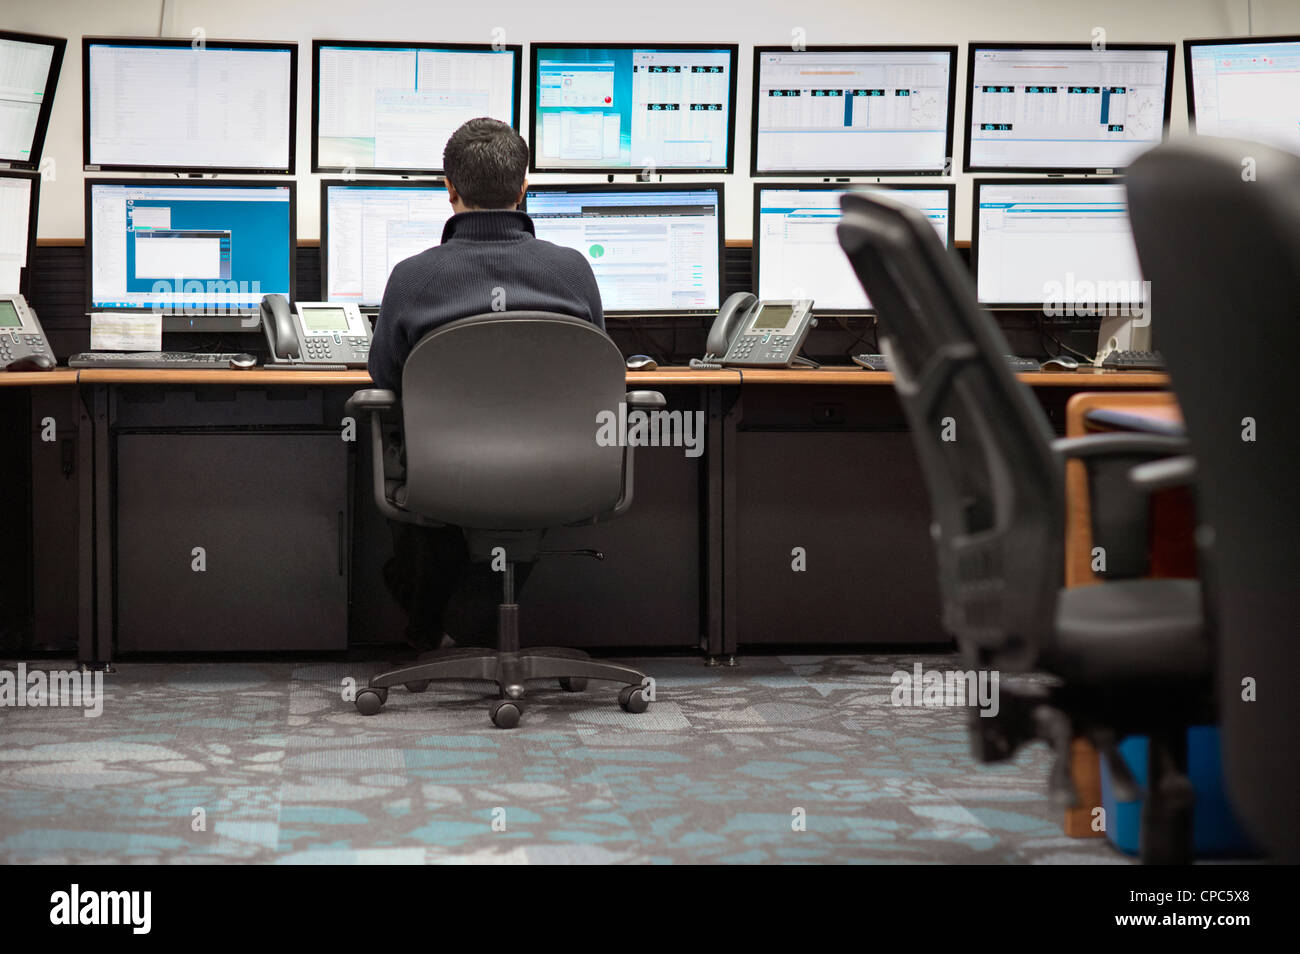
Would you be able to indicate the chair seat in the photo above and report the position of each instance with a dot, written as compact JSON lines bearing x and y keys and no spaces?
{"x":1131,"y":630}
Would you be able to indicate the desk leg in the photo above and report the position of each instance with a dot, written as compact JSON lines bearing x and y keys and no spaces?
{"x":713,"y":516}
{"x":734,"y":405}
{"x":103,"y":533}
{"x":1085,"y":769}
{"x":85,"y":532}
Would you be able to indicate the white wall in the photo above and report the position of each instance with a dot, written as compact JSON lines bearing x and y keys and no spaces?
{"x":747,"y":22}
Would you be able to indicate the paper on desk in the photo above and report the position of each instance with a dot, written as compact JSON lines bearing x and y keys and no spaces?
{"x":10,"y":272}
{"x":136,"y":331}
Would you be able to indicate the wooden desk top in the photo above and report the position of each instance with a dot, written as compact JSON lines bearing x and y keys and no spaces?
{"x":663,"y":376}
{"x":31,"y":378}
{"x":1091,"y":378}
{"x":355,"y":379}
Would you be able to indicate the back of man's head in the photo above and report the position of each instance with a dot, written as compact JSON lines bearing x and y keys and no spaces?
{"x":486,"y":162}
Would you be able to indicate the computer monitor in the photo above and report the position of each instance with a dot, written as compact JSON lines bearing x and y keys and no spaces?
{"x":368,"y":227}
{"x":186,"y":106}
{"x":205,"y":248}
{"x":655,"y":248}
{"x":852,"y":110}
{"x":1247,"y":88}
{"x":1064,"y":246}
{"x":797,"y":253}
{"x":29,"y":73}
{"x":390,"y":107}
{"x":1064,"y":107}
{"x":19,"y":195}
{"x":645,"y":108}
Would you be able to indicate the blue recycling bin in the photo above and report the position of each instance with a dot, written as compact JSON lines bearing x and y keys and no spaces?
{"x":1216,"y":833}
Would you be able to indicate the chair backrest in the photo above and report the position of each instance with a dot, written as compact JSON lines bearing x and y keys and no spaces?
{"x":996,"y":487}
{"x":1217,"y":224}
{"x":500,"y":421}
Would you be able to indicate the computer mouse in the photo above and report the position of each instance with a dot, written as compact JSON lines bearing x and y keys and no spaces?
{"x":242,"y":362}
{"x":1062,"y":362}
{"x":641,"y":362}
{"x":32,"y":362}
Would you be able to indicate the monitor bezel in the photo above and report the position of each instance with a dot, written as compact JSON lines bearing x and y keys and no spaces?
{"x":33,"y":210}
{"x":325,"y":185}
{"x":728,"y":169}
{"x":1220,"y":41}
{"x":59,"y":45}
{"x":756,"y":242}
{"x":977,"y":184}
{"x":143,"y":182}
{"x":1167,"y":48}
{"x":145,"y":42}
{"x":631,"y":187}
{"x":515,"y":49}
{"x":951,"y":50}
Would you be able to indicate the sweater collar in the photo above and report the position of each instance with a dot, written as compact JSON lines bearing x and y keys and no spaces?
{"x":488,"y":226}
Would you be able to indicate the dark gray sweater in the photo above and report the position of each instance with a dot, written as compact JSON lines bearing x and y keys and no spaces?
{"x":488,"y":261}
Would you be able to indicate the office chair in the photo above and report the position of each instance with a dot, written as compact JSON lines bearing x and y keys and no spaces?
{"x":1217,"y":224}
{"x":1129,"y":655}
{"x":499,"y":419}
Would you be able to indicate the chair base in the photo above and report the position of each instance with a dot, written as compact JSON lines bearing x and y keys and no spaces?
{"x":509,"y":670}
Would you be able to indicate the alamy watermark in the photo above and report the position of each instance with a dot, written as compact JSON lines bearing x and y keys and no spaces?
{"x":57,"y":688}
{"x":657,"y":428}
{"x":204,"y":298}
{"x":1085,"y":298}
{"x":947,"y":687}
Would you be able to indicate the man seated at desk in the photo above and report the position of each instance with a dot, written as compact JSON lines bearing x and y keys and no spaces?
{"x":490,"y":260}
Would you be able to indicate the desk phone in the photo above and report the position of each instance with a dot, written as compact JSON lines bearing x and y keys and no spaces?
{"x":749,"y":333}
{"x":21,"y":334}
{"x":315,"y":332}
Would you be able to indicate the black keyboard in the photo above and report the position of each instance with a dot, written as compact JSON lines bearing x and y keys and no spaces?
{"x":1134,"y":361}
{"x":877,"y":362}
{"x":178,"y":360}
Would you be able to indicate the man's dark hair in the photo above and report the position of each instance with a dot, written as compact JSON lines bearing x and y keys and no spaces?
{"x":486,"y":161}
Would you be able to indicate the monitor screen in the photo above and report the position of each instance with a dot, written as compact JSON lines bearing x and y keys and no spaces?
{"x":653,"y":248}
{"x":381,"y":107}
{"x":367,"y":228}
{"x":1065,"y":247}
{"x":165,"y":104}
{"x":853,"y":111}
{"x":18,"y":195}
{"x":193,"y":248}
{"x":29,"y":73}
{"x":1245,"y":89}
{"x":1044,"y":108}
{"x":624,"y":107}
{"x":797,"y":253}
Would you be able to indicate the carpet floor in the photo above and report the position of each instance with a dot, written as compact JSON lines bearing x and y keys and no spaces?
{"x":782,"y":759}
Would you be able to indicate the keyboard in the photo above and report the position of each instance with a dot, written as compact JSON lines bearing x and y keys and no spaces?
{"x":877,"y":362}
{"x":1134,"y":361}
{"x":178,"y":360}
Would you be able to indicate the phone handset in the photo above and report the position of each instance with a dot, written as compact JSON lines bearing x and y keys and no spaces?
{"x":277,"y":322}
{"x":724,"y":329}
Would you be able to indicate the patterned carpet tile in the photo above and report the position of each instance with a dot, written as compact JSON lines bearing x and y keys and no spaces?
{"x":783,"y":759}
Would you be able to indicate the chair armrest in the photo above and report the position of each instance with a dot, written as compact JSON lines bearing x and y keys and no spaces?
{"x":1164,"y":474}
{"x":1120,"y":445}
{"x":371,"y":399}
{"x":1120,"y":509}
{"x":651,"y":399}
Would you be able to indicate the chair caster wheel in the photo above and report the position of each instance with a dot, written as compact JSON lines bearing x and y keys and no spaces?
{"x":420,"y":685}
{"x":369,"y":701}
{"x":505,"y":714}
{"x":633,"y":699}
{"x":573,"y":683}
